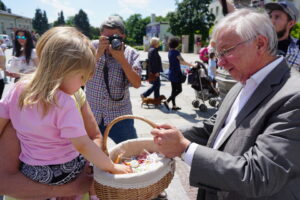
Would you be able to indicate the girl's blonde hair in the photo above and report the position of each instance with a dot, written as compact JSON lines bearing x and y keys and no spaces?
{"x":61,"y":51}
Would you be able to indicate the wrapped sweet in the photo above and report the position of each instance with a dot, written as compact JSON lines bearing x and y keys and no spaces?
{"x":143,"y":162}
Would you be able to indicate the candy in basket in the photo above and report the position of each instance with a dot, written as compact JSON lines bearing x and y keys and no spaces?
{"x":150,"y":176}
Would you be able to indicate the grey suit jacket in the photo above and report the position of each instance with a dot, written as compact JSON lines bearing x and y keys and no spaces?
{"x":259,"y":157}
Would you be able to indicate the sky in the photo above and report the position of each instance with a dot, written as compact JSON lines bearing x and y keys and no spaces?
{"x":97,"y":10}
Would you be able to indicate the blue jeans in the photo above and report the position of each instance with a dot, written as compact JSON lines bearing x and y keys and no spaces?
{"x":154,"y":88}
{"x":121,"y":131}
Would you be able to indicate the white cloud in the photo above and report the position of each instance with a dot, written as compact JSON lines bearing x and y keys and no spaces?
{"x":134,"y":3}
{"x":60,"y":5}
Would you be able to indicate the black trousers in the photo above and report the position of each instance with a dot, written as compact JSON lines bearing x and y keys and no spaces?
{"x":176,"y":90}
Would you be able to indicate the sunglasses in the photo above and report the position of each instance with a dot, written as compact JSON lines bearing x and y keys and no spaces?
{"x":21,"y":37}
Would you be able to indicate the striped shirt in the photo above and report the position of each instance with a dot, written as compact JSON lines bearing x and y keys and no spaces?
{"x":293,"y":54}
{"x":97,"y":95}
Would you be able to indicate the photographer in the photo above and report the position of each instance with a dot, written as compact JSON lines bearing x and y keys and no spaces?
{"x":117,"y":68}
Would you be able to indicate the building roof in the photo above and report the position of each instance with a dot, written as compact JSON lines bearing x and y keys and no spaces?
{"x":12,"y":15}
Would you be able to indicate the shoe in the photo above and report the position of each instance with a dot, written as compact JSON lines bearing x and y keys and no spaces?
{"x":142,"y":96}
{"x":176,"y":108}
{"x":166,"y":105}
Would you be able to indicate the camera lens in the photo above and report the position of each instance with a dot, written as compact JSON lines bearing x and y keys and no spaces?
{"x":116,"y":44}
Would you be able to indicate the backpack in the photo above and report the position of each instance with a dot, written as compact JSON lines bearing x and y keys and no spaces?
{"x":203,"y":54}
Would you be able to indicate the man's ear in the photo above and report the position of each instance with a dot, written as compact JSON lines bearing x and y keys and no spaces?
{"x":290,"y":24}
{"x":261,"y":43}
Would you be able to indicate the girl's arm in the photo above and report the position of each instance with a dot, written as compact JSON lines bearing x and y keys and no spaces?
{"x":90,"y":124}
{"x":3,"y":123}
{"x":96,"y":156}
{"x":182,"y":61}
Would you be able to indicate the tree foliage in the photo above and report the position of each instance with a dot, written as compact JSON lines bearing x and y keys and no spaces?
{"x":40,"y":21}
{"x":60,"y":20}
{"x":2,"y":6}
{"x":95,"y":32}
{"x":190,"y":17}
{"x":70,"y":21}
{"x":136,"y":28}
{"x":81,"y":22}
{"x":296,"y":31}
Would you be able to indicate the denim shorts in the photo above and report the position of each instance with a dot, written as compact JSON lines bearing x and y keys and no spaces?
{"x":54,"y":174}
{"x":121,"y":131}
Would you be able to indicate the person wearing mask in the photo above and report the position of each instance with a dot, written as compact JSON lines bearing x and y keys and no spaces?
{"x":249,"y":149}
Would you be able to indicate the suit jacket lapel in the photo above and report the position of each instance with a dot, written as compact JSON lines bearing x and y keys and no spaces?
{"x":223,"y":112}
{"x":262,"y":91}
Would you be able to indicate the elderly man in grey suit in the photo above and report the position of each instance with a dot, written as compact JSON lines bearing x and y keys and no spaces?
{"x":251,"y":150}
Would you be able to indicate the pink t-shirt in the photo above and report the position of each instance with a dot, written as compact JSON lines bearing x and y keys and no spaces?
{"x":44,"y":140}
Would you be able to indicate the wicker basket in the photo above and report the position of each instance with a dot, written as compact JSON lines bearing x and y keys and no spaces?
{"x":134,"y":186}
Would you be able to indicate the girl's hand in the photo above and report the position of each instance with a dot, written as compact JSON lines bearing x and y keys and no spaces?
{"x":121,"y":169}
{"x":13,"y":75}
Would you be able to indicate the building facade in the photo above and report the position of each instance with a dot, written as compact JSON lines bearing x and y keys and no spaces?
{"x":10,"y":21}
{"x":159,"y":30}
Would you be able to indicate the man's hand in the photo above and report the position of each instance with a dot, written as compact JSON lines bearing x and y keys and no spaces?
{"x":118,"y":54}
{"x":169,"y":140}
{"x":103,"y":45}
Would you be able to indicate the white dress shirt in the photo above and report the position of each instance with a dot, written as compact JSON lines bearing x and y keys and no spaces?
{"x":241,"y":100}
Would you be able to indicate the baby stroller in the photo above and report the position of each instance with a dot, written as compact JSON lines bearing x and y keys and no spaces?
{"x":204,"y":88}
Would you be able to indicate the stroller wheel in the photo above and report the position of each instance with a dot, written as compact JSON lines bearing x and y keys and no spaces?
{"x":203,"y":108}
{"x":196,"y":103}
{"x":212,"y":102}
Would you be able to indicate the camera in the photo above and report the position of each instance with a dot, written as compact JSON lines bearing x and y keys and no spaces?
{"x":115,"y":41}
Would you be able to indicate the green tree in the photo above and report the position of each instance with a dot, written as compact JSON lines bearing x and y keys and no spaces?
{"x":40,"y":21}
{"x":296,"y":31}
{"x":190,"y":17}
{"x":136,"y":28}
{"x":70,"y":21}
{"x":2,"y":6}
{"x":81,"y":21}
{"x":45,"y":22}
{"x":60,"y":20}
{"x":95,"y":32}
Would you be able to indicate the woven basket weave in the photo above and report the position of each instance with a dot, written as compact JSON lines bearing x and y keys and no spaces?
{"x":134,"y":186}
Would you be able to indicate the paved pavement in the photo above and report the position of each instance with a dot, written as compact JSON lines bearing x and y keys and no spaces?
{"x":179,"y":188}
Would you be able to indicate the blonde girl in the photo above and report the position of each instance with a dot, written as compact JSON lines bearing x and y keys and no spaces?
{"x":48,"y":124}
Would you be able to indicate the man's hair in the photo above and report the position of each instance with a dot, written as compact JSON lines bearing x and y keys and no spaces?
{"x":173,"y":42}
{"x":113,"y":22}
{"x":247,"y":24}
{"x":61,"y":51}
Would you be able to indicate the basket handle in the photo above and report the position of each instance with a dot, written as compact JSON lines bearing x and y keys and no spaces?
{"x":110,"y":125}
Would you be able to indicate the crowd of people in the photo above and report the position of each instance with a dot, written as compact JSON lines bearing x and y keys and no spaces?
{"x":247,"y":150}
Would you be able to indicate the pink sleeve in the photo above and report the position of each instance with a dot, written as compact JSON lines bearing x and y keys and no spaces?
{"x":69,"y":120}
